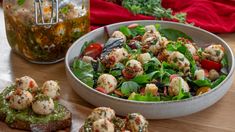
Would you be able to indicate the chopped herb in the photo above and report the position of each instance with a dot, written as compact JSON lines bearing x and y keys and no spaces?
{"x":20,"y":2}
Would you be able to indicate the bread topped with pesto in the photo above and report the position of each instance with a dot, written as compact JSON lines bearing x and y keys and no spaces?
{"x":103,"y":119}
{"x":25,"y":106}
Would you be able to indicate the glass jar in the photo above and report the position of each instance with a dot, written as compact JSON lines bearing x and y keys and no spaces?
{"x":41,"y":31}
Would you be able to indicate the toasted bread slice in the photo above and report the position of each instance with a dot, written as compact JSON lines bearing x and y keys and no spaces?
{"x":41,"y":127}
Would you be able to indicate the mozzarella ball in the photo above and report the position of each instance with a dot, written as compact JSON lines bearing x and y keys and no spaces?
{"x":191,"y":49}
{"x":150,"y":28}
{"x":118,"y":54}
{"x":51,"y":88}
{"x":144,"y":58}
{"x":213,"y":75}
{"x":214,"y":53}
{"x":108,"y":82}
{"x":151,"y":88}
{"x":88,"y":59}
{"x":26,"y":83}
{"x":20,"y":99}
{"x":199,"y":74}
{"x":102,"y":125}
{"x":135,"y":66}
{"x":150,"y":37}
{"x":136,"y":123}
{"x":118,"y":34}
{"x":102,"y":113}
{"x":175,"y":85}
{"x":43,"y":105}
{"x":179,"y":60}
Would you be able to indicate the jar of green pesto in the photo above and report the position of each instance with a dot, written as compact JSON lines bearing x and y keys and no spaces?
{"x":41,"y":31}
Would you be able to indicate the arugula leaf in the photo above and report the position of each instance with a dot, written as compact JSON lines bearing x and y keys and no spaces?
{"x":146,"y":78}
{"x":147,"y":97}
{"x":129,"y":87}
{"x":83,"y":71}
{"x":218,"y":81}
{"x":203,"y":83}
{"x":173,"y":34}
{"x":139,"y":30}
{"x":126,"y":31}
{"x":20,"y":2}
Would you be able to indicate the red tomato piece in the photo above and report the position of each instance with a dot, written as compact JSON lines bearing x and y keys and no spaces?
{"x":101,"y":89}
{"x":127,"y":75}
{"x":208,"y":65}
{"x":93,"y":50}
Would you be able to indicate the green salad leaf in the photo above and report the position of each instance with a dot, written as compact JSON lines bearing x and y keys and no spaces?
{"x":147,"y":97}
{"x":83,"y":71}
{"x":146,"y":78}
{"x":224,"y":61}
{"x":218,"y":81}
{"x":129,"y":87}
{"x":203,"y":83}
{"x":139,"y":30}
{"x":173,"y":34}
{"x":152,"y":65}
{"x":116,"y":71}
{"x":126,"y":31}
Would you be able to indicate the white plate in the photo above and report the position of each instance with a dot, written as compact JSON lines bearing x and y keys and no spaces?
{"x":151,"y":110}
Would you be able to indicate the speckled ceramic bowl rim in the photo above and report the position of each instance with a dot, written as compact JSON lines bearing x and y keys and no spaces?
{"x":143,"y":102}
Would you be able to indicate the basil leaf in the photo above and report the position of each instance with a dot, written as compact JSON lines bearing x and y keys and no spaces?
{"x":129,"y":87}
{"x":218,"y":81}
{"x":83,"y":71}
{"x":203,"y":83}
{"x":148,"y":97}
{"x":173,"y":34}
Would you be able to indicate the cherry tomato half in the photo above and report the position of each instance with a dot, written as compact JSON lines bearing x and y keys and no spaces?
{"x":127,"y":75}
{"x":93,"y":50}
{"x":208,"y":65}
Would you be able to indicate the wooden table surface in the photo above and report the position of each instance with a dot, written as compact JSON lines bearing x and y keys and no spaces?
{"x":218,"y":118}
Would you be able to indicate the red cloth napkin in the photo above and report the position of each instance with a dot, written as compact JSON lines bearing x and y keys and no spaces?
{"x":217,"y":16}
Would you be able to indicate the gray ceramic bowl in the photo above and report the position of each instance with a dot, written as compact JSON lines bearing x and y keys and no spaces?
{"x":151,"y":110}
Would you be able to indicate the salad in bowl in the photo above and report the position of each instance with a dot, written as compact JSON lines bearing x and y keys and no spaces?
{"x":149,"y":63}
